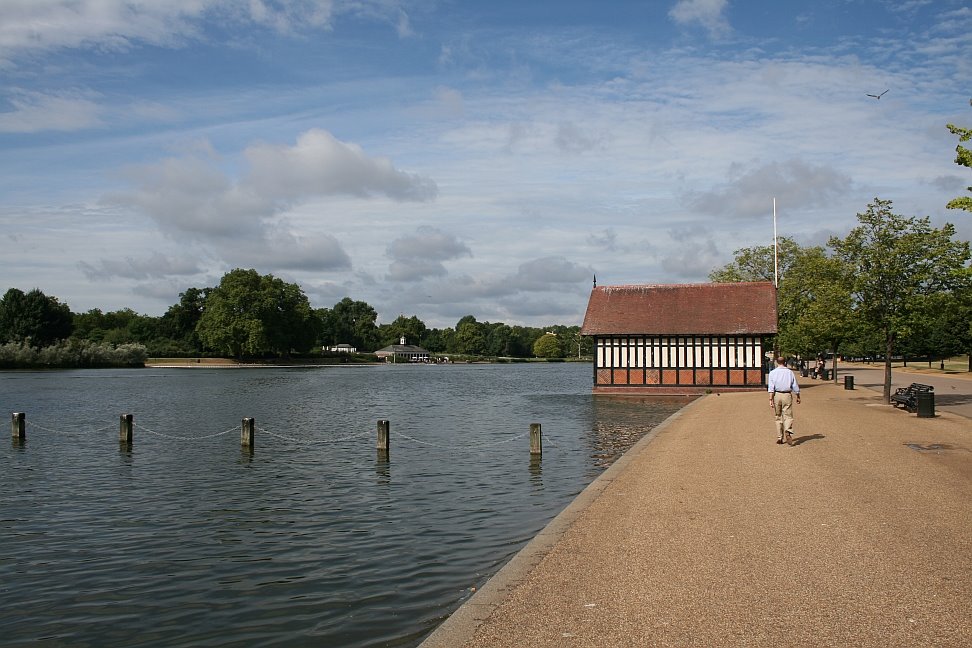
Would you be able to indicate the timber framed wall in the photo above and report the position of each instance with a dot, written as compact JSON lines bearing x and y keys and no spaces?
{"x":678,"y":362}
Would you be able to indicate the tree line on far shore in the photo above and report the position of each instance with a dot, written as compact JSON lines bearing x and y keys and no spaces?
{"x":894,"y":286}
{"x":248,"y":315}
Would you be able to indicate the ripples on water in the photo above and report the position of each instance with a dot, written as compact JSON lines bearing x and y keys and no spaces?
{"x":310,"y":540}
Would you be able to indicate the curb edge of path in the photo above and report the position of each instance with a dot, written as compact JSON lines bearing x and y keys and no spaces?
{"x":459,"y":627}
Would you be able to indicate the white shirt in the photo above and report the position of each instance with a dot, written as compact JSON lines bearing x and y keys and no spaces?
{"x":782,"y":379}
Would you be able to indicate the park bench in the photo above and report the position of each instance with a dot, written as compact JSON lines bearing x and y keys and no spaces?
{"x":907,"y":397}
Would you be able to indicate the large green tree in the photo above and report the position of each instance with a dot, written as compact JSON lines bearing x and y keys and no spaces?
{"x":33,"y":318}
{"x":815,"y":304}
{"x":963,"y":157}
{"x":411,"y":328}
{"x":249,"y":314}
{"x":758,"y":263}
{"x":548,"y":346}
{"x":897,"y":263}
{"x":941,"y":329}
{"x":353,"y":322}
{"x":470,"y":336}
{"x":180,"y":320}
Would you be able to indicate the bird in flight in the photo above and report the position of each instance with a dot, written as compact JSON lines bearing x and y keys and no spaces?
{"x":878,"y":96}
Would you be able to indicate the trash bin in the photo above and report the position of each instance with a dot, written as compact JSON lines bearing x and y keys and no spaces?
{"x":925,"y":402}
{"x":804,"y":372}
{"x":825,"y":374}
{"x":848,"y":382}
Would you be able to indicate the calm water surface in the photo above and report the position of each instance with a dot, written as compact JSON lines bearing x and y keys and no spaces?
{"x":183,"y":539}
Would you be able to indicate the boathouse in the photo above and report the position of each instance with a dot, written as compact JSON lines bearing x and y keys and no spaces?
{"x":403,"y":352}
{"x":680,"y":338}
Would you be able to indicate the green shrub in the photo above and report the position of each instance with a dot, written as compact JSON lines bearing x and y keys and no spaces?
{"x":71,"y":354}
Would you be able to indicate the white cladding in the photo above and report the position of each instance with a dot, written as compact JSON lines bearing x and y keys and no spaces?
{"x":678,"y":352}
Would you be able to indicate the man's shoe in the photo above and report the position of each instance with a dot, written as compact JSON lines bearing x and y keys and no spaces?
{"x":789,"y":438}
{"x":779,"y":440}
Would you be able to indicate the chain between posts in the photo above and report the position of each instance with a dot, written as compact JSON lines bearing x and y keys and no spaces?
{"x":78,"y":429}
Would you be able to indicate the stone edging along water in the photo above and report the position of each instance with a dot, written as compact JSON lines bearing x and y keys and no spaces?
{"x":461,"y":624}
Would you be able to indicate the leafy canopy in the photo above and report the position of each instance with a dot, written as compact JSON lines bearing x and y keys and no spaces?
{"x":898,"y":264}
{"x":963,"y":157}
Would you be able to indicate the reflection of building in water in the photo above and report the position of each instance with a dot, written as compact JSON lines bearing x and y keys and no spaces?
{"x":680,"y":338}
{"x":620,"y":421}
{"x":403,"y":352}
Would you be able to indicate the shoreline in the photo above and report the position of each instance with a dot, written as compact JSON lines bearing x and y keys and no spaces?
{"x":459,"y":627}
{"x":803,"y":523}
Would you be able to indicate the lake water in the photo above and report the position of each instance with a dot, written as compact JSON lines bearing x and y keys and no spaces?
{"x":184,"y":539}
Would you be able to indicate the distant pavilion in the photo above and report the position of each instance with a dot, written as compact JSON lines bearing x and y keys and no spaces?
{"x":680,"y":338}
{"x":403,"y":352}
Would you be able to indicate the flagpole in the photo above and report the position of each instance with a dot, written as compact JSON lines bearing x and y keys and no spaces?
{"x":776,"y":280}
{"x":776,"y":251}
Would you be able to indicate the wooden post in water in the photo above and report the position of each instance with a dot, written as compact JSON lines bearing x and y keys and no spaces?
{"x":248,"y":433}
{"x":18,"y":426}
{"x":383,"y":433}
{"x":536,"y":446}
{"x":126,"y":428}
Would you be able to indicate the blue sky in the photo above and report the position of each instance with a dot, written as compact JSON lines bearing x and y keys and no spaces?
{"x":443,"y":158}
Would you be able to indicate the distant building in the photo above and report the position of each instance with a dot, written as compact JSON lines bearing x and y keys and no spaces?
{"x":680,"y":338}
{"x":403,"y":352}
{"x":342,"y":348}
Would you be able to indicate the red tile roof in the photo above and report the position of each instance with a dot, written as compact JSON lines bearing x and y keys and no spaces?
{"x":692,"y":309}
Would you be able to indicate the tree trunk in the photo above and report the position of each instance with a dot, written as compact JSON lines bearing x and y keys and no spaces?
{"x":888,"y":347}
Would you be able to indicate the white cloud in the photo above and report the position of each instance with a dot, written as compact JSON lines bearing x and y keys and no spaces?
{"x":694,"y":255}
{"x":285,"y":250}
{"x":750,"y":190}
{"x":418,"y":256}
{"x":108,"y":24}
{"x":154,"y":266}
{"x":39,"y":25}
{"x":709,"y":14}
{"x":404,"y":26}
{"x":320,"y":164}
{"x":35,"y":112}
{"x":571,"y":138}
{"x":549,"y":273}
{"x":192,"y":199}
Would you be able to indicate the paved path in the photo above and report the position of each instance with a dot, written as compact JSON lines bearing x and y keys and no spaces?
{"x":710,"y":534}
{"x":953,"y":393}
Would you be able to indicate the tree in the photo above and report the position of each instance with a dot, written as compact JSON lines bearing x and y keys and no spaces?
{"x":940,"y":330}
{"x":34,"y":318}
{"x":411,"y":328}
{"x":815,"y":304}
{"x":963,"y":157}
{"x":499,"y":340}
{"x":758,"y":263}
{"x":439,"y":340}
{"x":180,"y":320}
{"x":354,"y":322}
{"x":250,"y":314}
{"x":897,"y":262}
{"x":470,"y":336}
{"x":548,"y":346}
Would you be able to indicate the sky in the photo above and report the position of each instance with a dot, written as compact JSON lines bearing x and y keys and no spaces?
{"x":443,"y":158}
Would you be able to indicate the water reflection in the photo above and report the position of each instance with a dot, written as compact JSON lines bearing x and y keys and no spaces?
{"x":308,"y":540}
{"x":618,"y":422}
{"x":536,"y":471}
{"x":383,"y":468}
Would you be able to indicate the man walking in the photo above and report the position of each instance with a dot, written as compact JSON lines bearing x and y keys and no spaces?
{"x":782,"y":386}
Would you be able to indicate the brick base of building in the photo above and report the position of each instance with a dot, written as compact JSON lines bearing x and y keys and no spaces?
{"x":673,"y":390}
